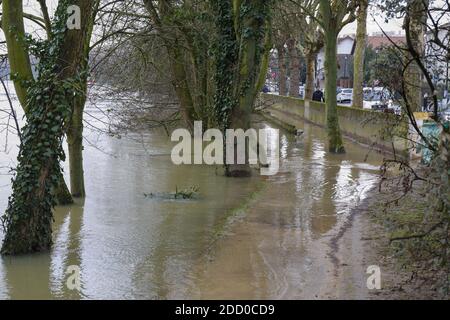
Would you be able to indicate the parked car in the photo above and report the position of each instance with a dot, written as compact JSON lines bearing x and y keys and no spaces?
{"x":380,"y":99}
{"x":346,"y":95}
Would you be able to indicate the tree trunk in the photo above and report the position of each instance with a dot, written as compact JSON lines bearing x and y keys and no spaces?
{"x":75,"y":146}
{"x":336,"y":144}
{"x":295,"y":62}
{"x":239,"y":65}
{"x":75,"y":128}
{"x":247,"y":83}
{"x":265,"y":61}
{"x":62,"y":192}
{"x":417,"y":13}
{"x":179,"y":82}
{"x":282,"y":71}
{"x":358,"y":73}
{"x":13,"y":28}
{"x":310,"y":75}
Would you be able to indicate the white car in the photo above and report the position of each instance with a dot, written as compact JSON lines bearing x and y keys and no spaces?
{"x":378,"y":100}
{"x":346,"y":95}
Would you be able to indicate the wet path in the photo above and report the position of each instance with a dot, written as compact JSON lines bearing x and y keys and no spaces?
{"x":283,"y":248}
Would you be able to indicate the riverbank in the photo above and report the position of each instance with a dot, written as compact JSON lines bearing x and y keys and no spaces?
{"x":408,"y":271}
{"x":364,"y":242}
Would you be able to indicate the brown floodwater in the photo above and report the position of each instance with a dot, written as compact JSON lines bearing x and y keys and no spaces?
{"x":241,"y":238}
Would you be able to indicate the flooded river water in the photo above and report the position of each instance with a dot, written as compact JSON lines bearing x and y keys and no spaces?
{"x":242,"y":238}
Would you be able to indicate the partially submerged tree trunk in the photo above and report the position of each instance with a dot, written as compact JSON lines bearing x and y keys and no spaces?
{"x":295,"y":64}
{"x":75,"y":123}
{"x":334,"y":16}
{"x":20,"y":68}
{"x":241,"y":60}
{"x":28,"y":218}
{"x":361,"y":36}
{"x":75,"y":148}
{"x":336,"y":144}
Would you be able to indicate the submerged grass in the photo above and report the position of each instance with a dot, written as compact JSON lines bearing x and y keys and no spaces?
{"x":225,"y":225}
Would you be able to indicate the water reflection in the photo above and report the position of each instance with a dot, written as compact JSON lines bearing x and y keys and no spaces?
{"x":277,"y":251}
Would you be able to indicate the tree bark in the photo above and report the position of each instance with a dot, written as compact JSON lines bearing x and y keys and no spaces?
{"x":282,"y":70}
{"x":295,"y":63}
{"x":361,"y":36}
{"x":310,"y":75}
{"x":75,"y":148}
{"x":19,"y":60}
{"x":62,"y":192}
{"x":417,"y":13}
{"x":179,"y":82}
{"x":336,"y":144}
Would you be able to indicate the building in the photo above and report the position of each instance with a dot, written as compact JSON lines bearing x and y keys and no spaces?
{"x":345,"y":63}
{"x":346,"y":49}
{"x":378,"y":41}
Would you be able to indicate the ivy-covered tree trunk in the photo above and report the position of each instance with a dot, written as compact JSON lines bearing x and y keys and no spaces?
{"x":336,"y":144}
{"x":310,"y":75}
{"x":282,"y":70}
{"x":294,"y":63}
{"x":28,"y":218}
{"x":361,"y":36}
{"x":242,"y":45}
{"x":20,"y":67}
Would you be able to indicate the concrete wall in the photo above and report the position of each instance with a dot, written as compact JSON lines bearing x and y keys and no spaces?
{"x":376,"y":129}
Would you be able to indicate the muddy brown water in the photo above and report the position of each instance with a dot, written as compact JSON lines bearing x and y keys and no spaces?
{"x":242,"y":238}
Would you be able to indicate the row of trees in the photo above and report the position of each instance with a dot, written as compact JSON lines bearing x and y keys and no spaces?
{"x":309,"y":26}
